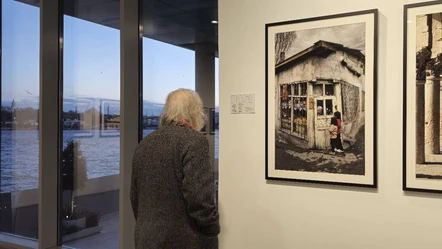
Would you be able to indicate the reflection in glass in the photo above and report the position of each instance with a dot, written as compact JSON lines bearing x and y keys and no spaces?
{"x":91,"y":129}
{"x":19,"y":118}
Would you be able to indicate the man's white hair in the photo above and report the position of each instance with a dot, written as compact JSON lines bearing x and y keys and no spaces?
{"x":183,"y":105}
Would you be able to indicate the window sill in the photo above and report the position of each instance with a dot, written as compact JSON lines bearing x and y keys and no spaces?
{"x":9,"y":241}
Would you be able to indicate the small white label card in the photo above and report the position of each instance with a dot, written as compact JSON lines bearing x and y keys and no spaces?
{"x":242,"y":103}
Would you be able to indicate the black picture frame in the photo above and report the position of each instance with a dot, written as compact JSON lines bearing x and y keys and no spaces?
{"x":369,"y":179}
{"x":422,"y":168}
{"x":206,"y":113}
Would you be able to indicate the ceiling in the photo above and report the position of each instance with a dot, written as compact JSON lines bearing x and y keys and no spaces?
{"x":183,"y":23}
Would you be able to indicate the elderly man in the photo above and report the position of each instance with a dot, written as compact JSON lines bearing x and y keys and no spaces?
{"x":172,"y":190}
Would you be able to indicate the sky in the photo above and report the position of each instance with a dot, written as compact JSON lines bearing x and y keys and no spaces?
{"x":351,"y":35}
{"x":91,"y":60}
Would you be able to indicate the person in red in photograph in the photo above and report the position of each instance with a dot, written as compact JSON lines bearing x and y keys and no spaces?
{"x":333,"y":129}
{"x":339,"y":147}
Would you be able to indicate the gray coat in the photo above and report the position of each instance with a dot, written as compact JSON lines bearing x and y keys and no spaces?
{"x":172,"y":191}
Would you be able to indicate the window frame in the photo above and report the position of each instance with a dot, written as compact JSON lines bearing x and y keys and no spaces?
{"x":51,"y":56}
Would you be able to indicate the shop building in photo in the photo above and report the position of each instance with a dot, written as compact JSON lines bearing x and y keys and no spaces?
{"x":315,"y":83}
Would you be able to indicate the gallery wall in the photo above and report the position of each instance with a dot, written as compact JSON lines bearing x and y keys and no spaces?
{"x":261,"y":214}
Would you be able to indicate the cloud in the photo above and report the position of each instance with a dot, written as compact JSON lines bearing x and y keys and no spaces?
{"x":350,"y":35}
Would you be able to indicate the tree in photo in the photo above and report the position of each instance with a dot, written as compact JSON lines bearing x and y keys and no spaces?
{"x":283,"y":41}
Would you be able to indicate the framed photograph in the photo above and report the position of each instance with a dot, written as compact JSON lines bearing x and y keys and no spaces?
{"x":321,"y":76}
{"x":212,"y":121}
{"x":207,"y":119}
{"x":422,"y":157}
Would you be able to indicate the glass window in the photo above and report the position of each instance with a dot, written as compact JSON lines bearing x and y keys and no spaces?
{"x":320,"y":107}
{"x":329,"y":90}
{"x":216,"y":123}
{"x":329,"y":107}
{"x":300,"y":109}
{"x":318,"y":89}
{"x":296,"y":93}
{"x":285,"y":107}
{"x":90,"y":160}
{"x":171,"y":34}
{"x":165,"y":68}
{"x":20,"y":42}
{"x":303,"y":89}
{"x":300,"y":116}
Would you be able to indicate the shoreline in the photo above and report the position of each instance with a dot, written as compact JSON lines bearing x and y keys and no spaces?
{"x":36,"y":129}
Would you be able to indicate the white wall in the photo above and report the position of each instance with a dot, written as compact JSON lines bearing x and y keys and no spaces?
{"x":258,"y":214}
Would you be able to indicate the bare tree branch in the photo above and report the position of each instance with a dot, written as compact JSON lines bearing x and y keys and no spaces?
{"x":283,"y":41}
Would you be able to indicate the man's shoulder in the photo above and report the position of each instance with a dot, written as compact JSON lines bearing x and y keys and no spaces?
{"x":179,"y":132}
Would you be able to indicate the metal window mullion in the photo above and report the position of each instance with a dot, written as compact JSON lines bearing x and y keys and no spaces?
{"x":1,"y":87}
{"x":131,"y":110}
{"x":205,"y":84}
{"x":50,"y":94}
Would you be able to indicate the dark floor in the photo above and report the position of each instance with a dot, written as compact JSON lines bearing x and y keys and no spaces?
{"x":107,"y":239}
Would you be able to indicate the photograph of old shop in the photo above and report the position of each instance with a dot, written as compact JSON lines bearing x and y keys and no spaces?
{"x":312,"y":86}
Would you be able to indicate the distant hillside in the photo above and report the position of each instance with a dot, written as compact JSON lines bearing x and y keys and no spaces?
{"x":69,"y":104}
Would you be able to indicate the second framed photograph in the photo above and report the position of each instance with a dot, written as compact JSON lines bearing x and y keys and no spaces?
{"x":422,"y":160}
{"x":321,"y":81}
